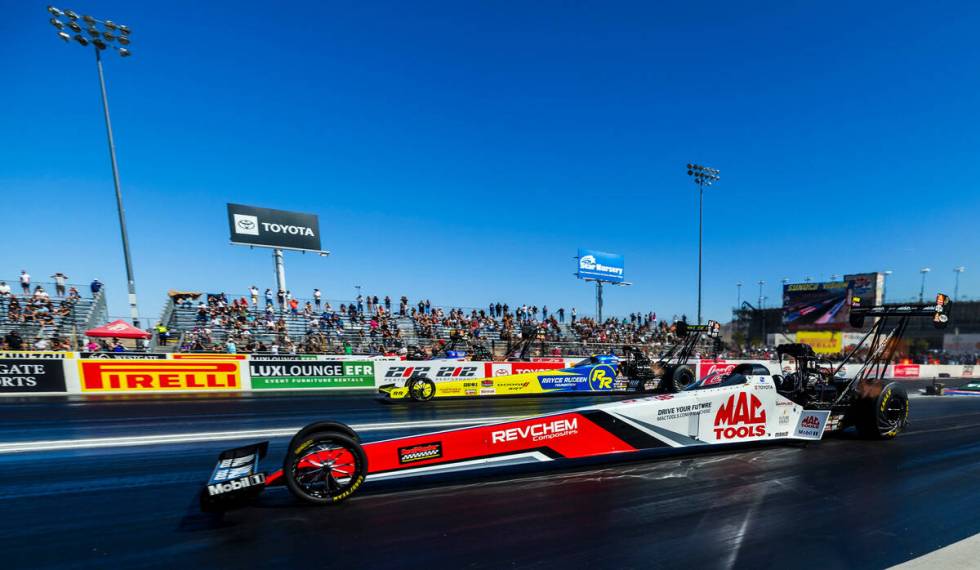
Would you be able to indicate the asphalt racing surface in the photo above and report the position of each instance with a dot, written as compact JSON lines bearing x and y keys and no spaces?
{"x":75,"y":494}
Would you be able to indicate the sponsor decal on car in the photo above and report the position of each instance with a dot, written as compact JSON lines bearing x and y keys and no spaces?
{"x":159,"y":375}
{"x":601,"y":377}
{"x":486,"y":383}
{"x":236,"y":484}
{"x":743,"y":415}
{"x":811,"y":424}
{"x":537,"y":431}
{"x":420,"y":452}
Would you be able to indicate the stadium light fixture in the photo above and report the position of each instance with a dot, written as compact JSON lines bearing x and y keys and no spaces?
{"x":57,"y":23}
{"x":922,"y":287}
{"x":834,"y":277}
{"x":956,"y":288}
{"x":702,"y":176}
{"x":101,"y":32}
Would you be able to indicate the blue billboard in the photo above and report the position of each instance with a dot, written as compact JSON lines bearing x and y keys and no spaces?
{"x":600,"y":265}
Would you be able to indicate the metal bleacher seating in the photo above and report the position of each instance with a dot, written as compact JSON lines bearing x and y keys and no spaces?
{"x":87,"y":312}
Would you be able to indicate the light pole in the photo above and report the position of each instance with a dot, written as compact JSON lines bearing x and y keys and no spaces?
{"x":703,"y":176}
{"x":922,"y":288}
{"x":956,"y":288}
{"x":101,"y":35}
{"x":738,"y":298}
{"x":884,"y":285}
{"x":761,"y":283}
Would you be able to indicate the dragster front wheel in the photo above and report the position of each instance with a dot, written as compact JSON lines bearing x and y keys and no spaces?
{"x":421,"y":389}
{"x":324,"y":468}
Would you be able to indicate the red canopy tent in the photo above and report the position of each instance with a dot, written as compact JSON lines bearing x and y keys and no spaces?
{"x":118,"y":329}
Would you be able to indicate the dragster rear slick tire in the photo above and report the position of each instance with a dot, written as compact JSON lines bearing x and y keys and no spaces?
{"x":324,"y":467}
{"x":677,"y":378}
{"x":884,"y":416}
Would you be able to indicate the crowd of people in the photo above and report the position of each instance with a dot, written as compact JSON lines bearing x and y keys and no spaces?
{"x":35,"y":305}
{"x":259,"y":319}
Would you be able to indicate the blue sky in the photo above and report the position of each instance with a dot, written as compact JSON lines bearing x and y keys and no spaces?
{"x":462,"y":151}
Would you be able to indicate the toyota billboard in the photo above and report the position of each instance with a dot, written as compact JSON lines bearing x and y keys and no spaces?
{"x":266,"y":227}
{"x":600,"y":266}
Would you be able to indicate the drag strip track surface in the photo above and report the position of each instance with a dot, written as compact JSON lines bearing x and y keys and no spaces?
{"x":840,"y":503}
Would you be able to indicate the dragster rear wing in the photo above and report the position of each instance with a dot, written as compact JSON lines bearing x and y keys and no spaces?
{"x":939,"y":311}
{"x":712,"y":329}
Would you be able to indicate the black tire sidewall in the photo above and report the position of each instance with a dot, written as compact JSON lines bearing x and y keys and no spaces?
{"x":296,"y":448}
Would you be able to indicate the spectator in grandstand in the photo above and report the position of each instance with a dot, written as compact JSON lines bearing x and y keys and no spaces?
{"x":4,"y":290}
{"x":316,"y":298}
{"x":281,"y":297}
{"x":268,"y":297}
{"x":253,"y":291}
{"x":13,"y":340}
{"x":387,"y":304}
{"x":294,"y":307}
{"x":360,"y":302}
{"x":561,"y":314}
{"x":95,"y":286}
{"x":91,"y":346}
{"x":230,"y":346}
{"x":25,"y":282}
{"x":117,"y":346}
{"x":573,"y":315}
{"x":60,"y":280}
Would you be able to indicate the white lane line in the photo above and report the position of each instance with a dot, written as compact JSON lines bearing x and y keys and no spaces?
{"x":131,"y":441}
{"x":963,"y":554}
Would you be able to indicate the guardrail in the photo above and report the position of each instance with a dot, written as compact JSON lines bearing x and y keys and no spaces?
{"x":60,"y":373}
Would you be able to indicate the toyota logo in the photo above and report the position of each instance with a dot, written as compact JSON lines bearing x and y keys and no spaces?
{"x":246,"y":224}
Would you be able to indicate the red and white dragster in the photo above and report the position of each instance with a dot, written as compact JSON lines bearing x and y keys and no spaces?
{"x":325,"y":463}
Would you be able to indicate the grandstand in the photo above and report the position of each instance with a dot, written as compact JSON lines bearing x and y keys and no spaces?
{"x":59,"y":320}
{"x":205,"y":322}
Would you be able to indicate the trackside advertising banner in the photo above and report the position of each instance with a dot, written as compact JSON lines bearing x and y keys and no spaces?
{"x":98,"y":375}
{"x":311,"y":374}
{"x":19,"y":375}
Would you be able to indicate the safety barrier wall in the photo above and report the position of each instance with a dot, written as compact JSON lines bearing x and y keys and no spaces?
{"x":46,"y":373}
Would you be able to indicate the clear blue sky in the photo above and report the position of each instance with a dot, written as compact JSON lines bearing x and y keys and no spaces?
{"x":462,"y":151}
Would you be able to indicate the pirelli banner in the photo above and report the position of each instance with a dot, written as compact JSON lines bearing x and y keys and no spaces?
{"x":146,"y":376}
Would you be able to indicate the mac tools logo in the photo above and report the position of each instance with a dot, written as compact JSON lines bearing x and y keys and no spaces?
{"x":587,"y":262}
{"x":741,"y":416}
{"x":248,"y":225}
